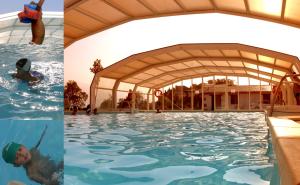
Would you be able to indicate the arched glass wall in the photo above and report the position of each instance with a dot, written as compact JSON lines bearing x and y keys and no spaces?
{"x":210,"y":93}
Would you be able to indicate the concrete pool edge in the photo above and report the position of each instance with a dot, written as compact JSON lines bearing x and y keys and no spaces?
{"x":162,"y":111}
{"x":285,"y":139}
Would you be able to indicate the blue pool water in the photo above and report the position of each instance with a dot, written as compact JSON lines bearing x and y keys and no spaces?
{"x":18,"y":100}
{"x":168,"y":148}
{"x":28,"y":133}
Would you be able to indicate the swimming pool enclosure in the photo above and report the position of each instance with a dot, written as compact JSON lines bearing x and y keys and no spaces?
{"x":195,"y":77}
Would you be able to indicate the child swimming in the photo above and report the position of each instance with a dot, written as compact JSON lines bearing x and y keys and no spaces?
{"x":23,"y":71}
{"x":38,"y":168}
{"x":33,"y":12}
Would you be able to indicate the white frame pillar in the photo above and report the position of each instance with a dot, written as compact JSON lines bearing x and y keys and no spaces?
{"x":114,"y":94}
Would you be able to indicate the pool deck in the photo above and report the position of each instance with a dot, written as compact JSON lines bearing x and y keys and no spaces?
{"x":285,"y":132}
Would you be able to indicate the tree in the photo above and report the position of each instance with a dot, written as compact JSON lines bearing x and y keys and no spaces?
{"x":139,"y":101}
{"x":97,"y":67}
{"x":73,"y":95}
{"x":107,"y":103}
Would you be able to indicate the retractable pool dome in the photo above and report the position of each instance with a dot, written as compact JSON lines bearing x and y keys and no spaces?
{"x":84,"y":18}
{"x":161,"y":67}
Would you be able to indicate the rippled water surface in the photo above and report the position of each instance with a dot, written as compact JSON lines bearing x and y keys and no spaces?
{"x":168,"y":148}
{"x":18,"y":100}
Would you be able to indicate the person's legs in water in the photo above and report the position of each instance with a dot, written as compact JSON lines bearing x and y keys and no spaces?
{"x":37,"y":26}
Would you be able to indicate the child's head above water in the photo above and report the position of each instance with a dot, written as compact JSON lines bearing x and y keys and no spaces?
{"x":23,"y":64}
{"x":16,"y":154}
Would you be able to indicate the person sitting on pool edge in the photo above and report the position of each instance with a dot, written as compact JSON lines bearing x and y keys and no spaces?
{"x":33,"y":14}
{"x":38,"y":168}
{"x":23,"y":71}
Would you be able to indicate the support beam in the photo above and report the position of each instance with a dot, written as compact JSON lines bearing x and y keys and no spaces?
{"x":114,"y":93}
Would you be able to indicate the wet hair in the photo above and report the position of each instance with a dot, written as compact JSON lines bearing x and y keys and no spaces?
{"x":21,"y":63}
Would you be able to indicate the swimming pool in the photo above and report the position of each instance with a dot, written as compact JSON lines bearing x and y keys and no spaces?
{"x":168,"y":148}
{"x":28,"y":133}
{"x":18,"y":100}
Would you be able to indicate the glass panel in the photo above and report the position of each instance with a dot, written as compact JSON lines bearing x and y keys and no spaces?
{"x":266,"y":59}
{"x":125,"y":86}
{"x":197,"y":87}
{"x":249,"y":55}
{"x":220,"y":100}
{"x":141,"y":100}
{"x":220,"y":80}
{"x":232,"y":80}
{"x":251,"y":66}
{"x":254,"y":81}
{"x":159,"y":100}
{"x":282,"y":63}
{"x":265,"y":69}
{"x":254,"y":100}
{"x":236,"y":63}
{"x":123,"y":100}
{"x":244,"y":100}
{"x":221,"y":63}
{"x":252,"y":73}
{"x":208,"y":80}
{"x":243,"y":81}
{"x":266,"y":99}
{"x":177,"y":93}
{"x":270,"y":8}
{"x":106,"y":83}
{"x":280,"y":73}
{"x":104,"y":99}
{"x":187,"y":94}
{"x":264,"y":76}
{"x":265,"y":83}
{"x":208,"y":91}
{"x":168,"y":97}
{"x":142,"y":89}
{"x":233,"y":99}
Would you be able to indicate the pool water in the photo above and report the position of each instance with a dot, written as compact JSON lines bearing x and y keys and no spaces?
{"x":169,"y":148}
{"x":28,"y":133}
{"x":18,"y":100}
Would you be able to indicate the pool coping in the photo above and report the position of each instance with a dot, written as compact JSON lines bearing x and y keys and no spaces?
{"x":285,"y":134}
{"x":162,"y":111}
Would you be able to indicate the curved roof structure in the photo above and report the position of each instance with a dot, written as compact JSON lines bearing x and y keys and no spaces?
{"x":161,"y":67}
{"x":14,"y":32}
{"x":86,"y":17}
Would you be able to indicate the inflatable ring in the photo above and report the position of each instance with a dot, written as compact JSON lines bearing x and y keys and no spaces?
{"x":158,"y":93}
{"x":30,"y":13}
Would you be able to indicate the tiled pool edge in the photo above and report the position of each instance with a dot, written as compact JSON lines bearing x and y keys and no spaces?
{"x":286,"y":143}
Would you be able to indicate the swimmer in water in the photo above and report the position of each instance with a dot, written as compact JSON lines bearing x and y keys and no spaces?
{"x":23,"y":71}
{"x":38,"y":168}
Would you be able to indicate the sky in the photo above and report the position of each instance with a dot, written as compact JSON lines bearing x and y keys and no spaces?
{"x":9,"y":6}
{"x":119,"y":42}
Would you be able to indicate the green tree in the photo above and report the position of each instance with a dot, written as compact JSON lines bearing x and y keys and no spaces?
{"x":73,"y":95}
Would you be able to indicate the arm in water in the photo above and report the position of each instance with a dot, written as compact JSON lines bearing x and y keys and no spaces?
{"x":42,"y":136}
